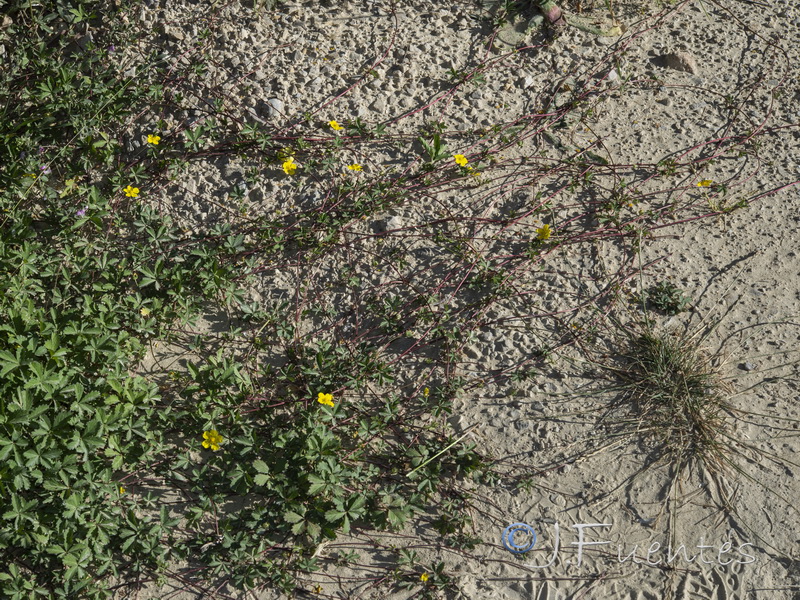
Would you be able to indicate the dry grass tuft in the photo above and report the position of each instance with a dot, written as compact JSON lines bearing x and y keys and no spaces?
{"x":678,"y":399}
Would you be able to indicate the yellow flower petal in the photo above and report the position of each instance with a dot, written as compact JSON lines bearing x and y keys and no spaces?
{"x":326,"y":399}
{"x":212,"y":439}
{"x":289,"y":166}
{"x":544,"y":232}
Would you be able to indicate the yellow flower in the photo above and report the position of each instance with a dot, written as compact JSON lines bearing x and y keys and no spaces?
{"x":423,"y":578}
{"x":153,"y":139}
{"x":145,"y":311}
{"x":121,"y":490}
{"x":335,"y":126}
{"x":326,"y":399}
{"x":355,"y":167}
{"x":704,"y":183}
{"x":289,"y":166}
{"x":544,"y":232}
{"x":212,"y":439}
{"x":131,"y":192}
{"x":426,"y":392}
{"x":461,"y":160}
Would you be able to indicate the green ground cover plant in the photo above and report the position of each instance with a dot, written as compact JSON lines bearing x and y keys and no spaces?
{"x":303,"y":419}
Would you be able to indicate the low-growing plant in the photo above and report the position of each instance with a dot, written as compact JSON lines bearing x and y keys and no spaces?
{"x":666,"y":297}
{"x":677,"y":397}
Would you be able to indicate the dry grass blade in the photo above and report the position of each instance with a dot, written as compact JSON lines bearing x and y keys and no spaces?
{"x":677,"y":398}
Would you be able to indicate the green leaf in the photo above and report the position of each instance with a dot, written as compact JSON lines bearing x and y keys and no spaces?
{"x":333,"y":515}
{"x":313,"y":529}
{"x":9,"y":362}
{"x":397,"y":517}
{"x":298,"y":528}
{"x":292,"y":517}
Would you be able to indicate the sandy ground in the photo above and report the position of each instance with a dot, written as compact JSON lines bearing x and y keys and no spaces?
{"x":693,"y":82}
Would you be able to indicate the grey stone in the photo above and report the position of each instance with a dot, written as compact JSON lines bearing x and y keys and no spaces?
{"x":394,"y":223}
{"x":315,"y":84}
{"x":175,"y":33}
{"x":379,"y":105}
{"x":275,"y":107}
{"x":679,"y":61}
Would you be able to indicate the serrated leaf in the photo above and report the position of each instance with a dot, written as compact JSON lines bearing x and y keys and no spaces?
{"x":333,"y":515}
{"x":292,"y":517}
{"x":261,"y":466}
{"x":396,"y":517}
{"x":313,"y":529}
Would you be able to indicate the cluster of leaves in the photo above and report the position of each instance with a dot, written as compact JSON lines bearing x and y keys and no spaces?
{"x":666,"y":297}
{"x":77,"y":306}
{"x":85,"y":282}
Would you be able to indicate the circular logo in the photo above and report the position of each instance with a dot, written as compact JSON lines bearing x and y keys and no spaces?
{"x":508,"y":538}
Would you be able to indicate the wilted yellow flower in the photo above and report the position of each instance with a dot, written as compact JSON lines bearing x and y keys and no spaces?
{"x":544,"y":232}
{"x":131,"y":192}
{"x":426,"y":392}
{"x":289,"y":166}
{"x":461,"y":160}
{"x":153,"y":139}
{"x":145,"y":311}
{"x":335,"y":126}
{"x":212,"y":439}
{"x":121,"y":490}
{"x":704,"y":183}
{"x":326,"y":399}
